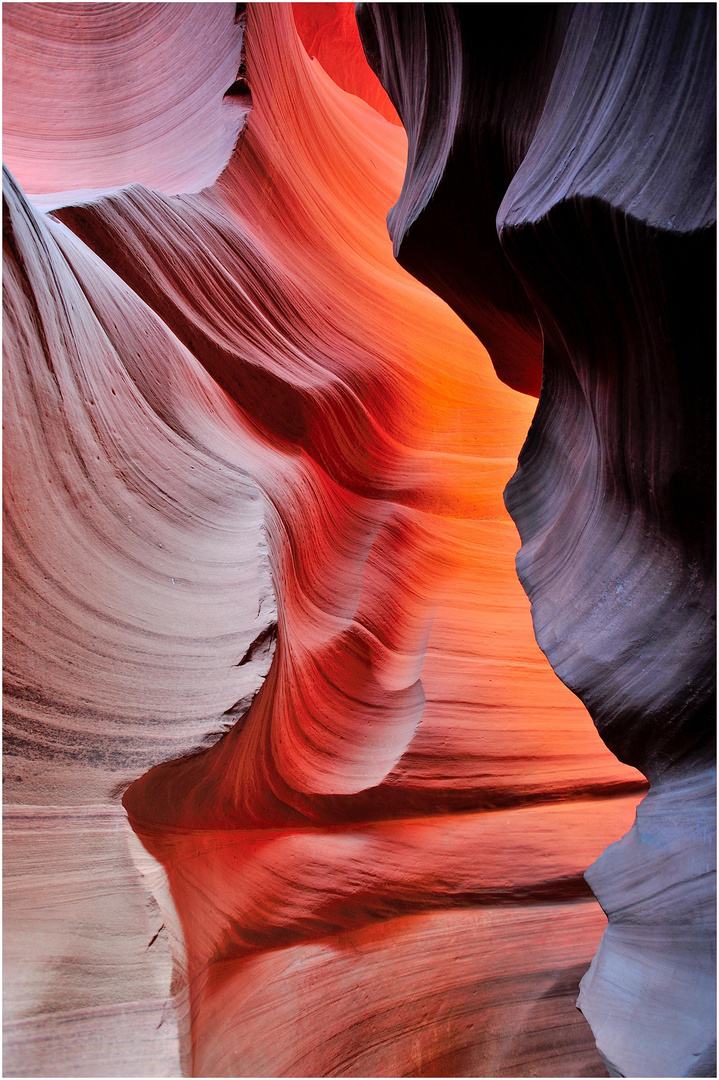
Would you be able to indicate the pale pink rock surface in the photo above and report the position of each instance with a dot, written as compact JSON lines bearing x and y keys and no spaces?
{"x":100,"y":95}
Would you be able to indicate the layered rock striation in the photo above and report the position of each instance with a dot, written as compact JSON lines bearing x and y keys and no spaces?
{"x":601,"y":142}
{"x":98,"y":98}
{"x":254,"y":477}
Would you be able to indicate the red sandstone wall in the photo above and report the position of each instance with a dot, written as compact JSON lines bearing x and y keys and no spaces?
{"x":227,"y":410}
{"x":329,"y":34}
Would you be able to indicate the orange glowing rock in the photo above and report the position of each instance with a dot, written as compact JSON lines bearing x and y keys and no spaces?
{"x":560,"y":194}
{"x":329,"y":34}
{"x":384,"y":853}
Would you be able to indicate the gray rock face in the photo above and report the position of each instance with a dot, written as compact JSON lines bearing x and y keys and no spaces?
{"x":650,"y":993}
{"x":614,"y":493}
{"x":603,"y":131}
{"x":469,"y":82}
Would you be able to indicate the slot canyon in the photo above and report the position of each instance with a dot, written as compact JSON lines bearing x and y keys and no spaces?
{"x":359,"y":539}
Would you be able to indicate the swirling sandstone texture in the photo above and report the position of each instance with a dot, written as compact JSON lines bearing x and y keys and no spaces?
{"x":253,"y":499}
{"x":99,"y":96}
{"x":591,"y":143}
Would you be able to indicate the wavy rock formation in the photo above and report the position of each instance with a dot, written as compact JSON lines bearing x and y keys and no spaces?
{"x":607,"y":220}
{"x":329,"y":34}
{"x":469,"y":83}
{"x":138,"y":92}
{"x":254,"y":477}
{"x":136,"y":579}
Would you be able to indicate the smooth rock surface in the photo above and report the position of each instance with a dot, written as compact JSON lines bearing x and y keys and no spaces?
{"x":86,"y":961}
{"x":600,"y":129}
{"x":329,"y":34}
{"x":257,"y":474}
{"x":662,"y":922}
{"x":96,"y":96}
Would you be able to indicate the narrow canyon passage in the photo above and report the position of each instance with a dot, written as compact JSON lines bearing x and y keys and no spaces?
{"x":260,"y":586}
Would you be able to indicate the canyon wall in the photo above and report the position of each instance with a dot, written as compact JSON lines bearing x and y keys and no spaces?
{"x":597,"y":208}
{"x":260,"y":579}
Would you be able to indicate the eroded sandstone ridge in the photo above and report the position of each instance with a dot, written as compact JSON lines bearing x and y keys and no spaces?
{"x":253,"y":497}
{"x":592,"y":145}
{"x":99,"y":97}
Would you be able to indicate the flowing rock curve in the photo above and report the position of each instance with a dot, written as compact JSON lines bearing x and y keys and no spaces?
{"x":321,"y":446}
{"x":608,"y":222}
